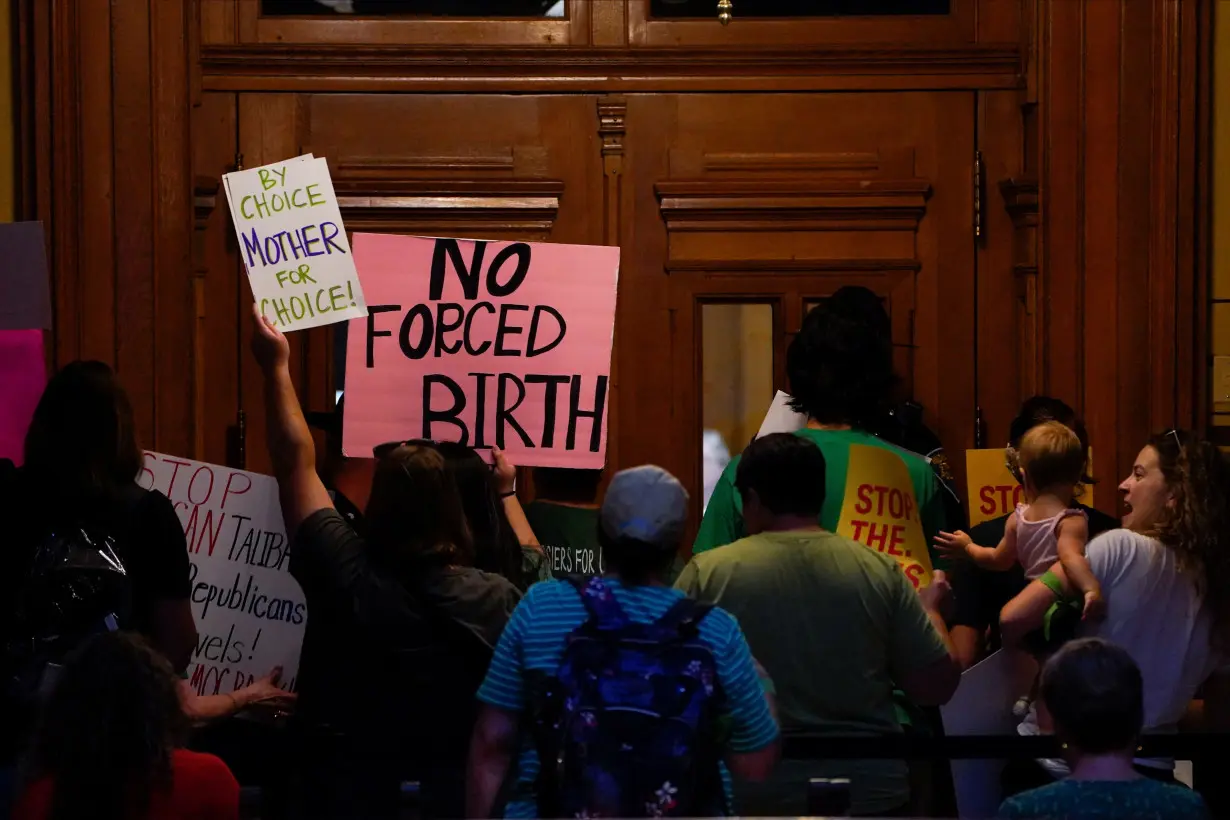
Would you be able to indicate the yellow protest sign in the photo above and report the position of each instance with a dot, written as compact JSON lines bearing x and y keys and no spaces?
{"x":880,"y":510}
{"x":993,"y":492}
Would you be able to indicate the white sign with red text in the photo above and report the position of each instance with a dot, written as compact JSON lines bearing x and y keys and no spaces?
{"x":250,"y":613}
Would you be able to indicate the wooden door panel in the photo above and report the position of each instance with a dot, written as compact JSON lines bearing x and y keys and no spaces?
{"x":782,"y":199}
{"x":493,"y":167}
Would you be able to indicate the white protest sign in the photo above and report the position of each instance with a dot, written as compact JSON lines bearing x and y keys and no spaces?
{"x":294,"y":244}
{"x":982,"y":705}
{"x":781,"y":418}
{"x":250,"y":613}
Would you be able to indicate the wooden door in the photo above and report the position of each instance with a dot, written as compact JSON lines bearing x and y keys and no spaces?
{"x":479,"y":166}
{"x":772,"y":202}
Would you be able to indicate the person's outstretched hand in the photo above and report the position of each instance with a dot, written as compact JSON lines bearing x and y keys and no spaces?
{"x":267,"y":692}
{"x":505,"y":472}
{"x":269,"y":344}
{"x":953,"y":544}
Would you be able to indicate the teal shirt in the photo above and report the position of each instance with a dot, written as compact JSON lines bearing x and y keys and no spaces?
{"x":1142,"y":799}
{"x":534,"y":640}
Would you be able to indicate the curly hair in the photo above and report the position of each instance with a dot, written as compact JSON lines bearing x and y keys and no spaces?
{"x":840,"y":366}
{"x":1196,"y":526}
{"x":108,"y":730}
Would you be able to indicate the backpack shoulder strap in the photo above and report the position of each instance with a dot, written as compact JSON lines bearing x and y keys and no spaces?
{"x":684,"y":616}
{"x":604,"y":611}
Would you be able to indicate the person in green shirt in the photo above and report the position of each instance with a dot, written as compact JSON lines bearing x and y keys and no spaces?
{"x":810,"y":600}
{"x":841,"y":377}
{"x":564,"y":517}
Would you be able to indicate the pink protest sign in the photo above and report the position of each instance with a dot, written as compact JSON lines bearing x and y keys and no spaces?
{"x":504,"y":344}
{"x":23,"y":372}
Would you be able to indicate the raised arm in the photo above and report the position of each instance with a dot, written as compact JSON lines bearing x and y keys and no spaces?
{"x":998,"y":558}
{"x":290,"y":442}
{"x":506,"y":485}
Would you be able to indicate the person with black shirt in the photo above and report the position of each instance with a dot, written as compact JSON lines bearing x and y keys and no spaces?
{"x":564,"y":516}
{"x":980,"y":594}
{"x":80,"y":470}
{"x":401,"y":626}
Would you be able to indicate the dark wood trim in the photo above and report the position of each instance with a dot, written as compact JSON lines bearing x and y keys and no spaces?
{"x":328,"y":67}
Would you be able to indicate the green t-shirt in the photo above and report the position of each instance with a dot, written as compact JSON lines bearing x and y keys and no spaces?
{"x":568,"y":535}
{"x":833,"y":623}
{"x":723,"y":521}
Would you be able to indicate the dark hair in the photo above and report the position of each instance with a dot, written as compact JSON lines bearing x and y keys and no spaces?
{"x":108,"y":730}
{"x":635,"y":562}
{"x":840,"y":366}
{"x":82,"y":443}
{"x":414,"y":517}
{"x":858,"y":302}
{"x":566,"y":485}
{"x":496,"y":547}
{"x":1196,"y":527}
{"x":1041,"y":409}
{"x":1095,"y":694}
{"x":787,"y":473}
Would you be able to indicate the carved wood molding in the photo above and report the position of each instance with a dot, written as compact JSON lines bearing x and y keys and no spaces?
{"x":788,"y":205}
{"x":516,"y":206}
{"x":305,"y":66}
{"x":1021,"y":201}
{"x":794,"y":266}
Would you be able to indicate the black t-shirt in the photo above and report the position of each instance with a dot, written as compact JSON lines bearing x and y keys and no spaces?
{"x":147,"y":533}
{"x":980,"y":594}
{"x":359,"y":618}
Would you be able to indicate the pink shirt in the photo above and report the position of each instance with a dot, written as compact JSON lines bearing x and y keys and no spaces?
{"x":1037,"y":542}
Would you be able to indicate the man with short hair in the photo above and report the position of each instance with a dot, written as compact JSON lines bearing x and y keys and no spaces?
{"x":835,"y":625}
{"x":641,"y":524}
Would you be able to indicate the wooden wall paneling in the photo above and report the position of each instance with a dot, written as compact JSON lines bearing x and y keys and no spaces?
{"x":119,"y":241}
{"x":1101,"y":266}
{"x":218,"y":21}
{"x":269,"y":130}
{"x":1005,"y":287}
{"x":171,"y":234}
{"x":100,"y":285}
{"x":604,"y":69}
{"x":224,"y":291}
{"x":1118,"y":83}
{"x":612,"y":113}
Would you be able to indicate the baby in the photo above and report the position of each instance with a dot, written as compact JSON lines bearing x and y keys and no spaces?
{"x":1047,"y":527}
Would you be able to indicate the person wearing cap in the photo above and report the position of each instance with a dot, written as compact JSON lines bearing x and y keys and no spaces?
{"x":640,"y":528}
{"x":810,"y":600}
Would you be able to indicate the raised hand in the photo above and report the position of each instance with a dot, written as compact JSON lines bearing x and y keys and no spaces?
{"x":953,"y":544}
{"x":269,"y":344}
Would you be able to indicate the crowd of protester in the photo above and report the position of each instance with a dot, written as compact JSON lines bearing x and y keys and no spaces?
{"x":447,"y":642}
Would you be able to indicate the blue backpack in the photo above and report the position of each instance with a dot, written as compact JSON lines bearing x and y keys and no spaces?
{"x":628,"y":726}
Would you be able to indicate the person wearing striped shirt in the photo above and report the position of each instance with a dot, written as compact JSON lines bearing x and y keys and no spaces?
{"x":640,"y":527}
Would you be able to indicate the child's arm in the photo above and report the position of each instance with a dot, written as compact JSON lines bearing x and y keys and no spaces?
{"x":997,"y":558}
{"x":1073,"y":535}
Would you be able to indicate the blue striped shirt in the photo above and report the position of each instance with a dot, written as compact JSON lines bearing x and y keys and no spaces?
{"x":534,"y":640}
